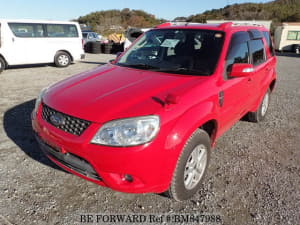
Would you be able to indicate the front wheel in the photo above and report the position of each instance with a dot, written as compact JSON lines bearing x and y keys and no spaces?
{"x":261,"y":112}
{"x":191,"y":167}
{"x":2,"y":64}
{"x":62,"y":59}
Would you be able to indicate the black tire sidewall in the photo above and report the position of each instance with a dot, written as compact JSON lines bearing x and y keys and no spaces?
{"x":2,"y":64}
{"x":177,"y":188}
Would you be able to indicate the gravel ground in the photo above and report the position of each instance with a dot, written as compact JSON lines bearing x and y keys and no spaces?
{"x":253,"y":176}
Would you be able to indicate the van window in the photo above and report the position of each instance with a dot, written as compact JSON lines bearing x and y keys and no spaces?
{"x":61,"y":30}
{"x":27,"y":29}
{"x":257,"y":51}
{"x":293,"y":35}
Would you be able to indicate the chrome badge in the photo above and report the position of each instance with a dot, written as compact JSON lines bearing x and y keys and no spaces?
{"x":57,"y":119}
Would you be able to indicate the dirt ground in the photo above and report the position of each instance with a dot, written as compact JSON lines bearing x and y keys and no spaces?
{"x":253,"y":177}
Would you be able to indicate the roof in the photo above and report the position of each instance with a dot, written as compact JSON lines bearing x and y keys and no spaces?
{"x":35,"y":21}
{"x":291,"y":23}
{"x":207,"y":26}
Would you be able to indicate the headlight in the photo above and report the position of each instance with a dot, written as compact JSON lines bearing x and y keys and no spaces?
{"x":127,"y":132}
{"x":39,"y":99}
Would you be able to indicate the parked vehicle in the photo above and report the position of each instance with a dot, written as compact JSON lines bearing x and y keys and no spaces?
{"x":34,"y":41}
{"x":90,"y":36}
{"x":132,"y":34}
{"x":147,"y":121}
{"x":287,"y":37}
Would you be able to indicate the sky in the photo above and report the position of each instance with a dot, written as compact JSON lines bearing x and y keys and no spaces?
{"x":72,"y":9}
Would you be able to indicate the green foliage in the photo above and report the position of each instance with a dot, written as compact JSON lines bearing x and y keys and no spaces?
{"x":109,"y":21}
{"x":277,"y":11}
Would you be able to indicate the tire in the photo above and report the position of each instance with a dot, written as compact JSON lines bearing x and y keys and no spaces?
{"x":62,"y":59}
{"x":186,"y":178}
{"x":261,"y":112}
{"x":2,"y":64}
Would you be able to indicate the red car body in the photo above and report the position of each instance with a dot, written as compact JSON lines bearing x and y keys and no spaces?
{"x":182,"y":102}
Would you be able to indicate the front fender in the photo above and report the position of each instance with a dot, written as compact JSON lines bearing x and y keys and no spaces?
{"x":188,"y":123}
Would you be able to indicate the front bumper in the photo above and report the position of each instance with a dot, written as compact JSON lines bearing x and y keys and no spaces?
{"x":150,"y":165}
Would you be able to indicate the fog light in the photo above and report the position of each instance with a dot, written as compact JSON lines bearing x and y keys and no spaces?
{"x":128,"y":178}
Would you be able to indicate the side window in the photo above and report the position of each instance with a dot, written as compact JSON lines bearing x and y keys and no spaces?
{"x":293,"y":35}
{"x":269,"y":42}
{"x":238,"y":51}
{"x":61,"y":30}
{"x":257,"y":51}
{"x":27,"y":29}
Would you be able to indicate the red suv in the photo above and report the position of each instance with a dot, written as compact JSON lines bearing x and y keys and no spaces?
{"x":146,"y":122}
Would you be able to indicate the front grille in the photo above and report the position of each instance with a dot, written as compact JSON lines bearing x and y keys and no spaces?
{"x":64,"y":122}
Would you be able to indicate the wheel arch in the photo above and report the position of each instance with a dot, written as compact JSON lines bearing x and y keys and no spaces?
{"x":65,"y":51}
{"x":203,"y":116}
{"x":272,"y":85}
{"x":5,"y":61}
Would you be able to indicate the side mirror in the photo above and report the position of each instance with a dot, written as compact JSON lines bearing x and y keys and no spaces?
{"x":118,"y":54}
{"x":241,"y":70}
{"x":112,"y":61}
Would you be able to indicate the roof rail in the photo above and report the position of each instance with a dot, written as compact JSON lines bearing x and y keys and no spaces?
{"x":247,"y":24}
{"x":225,"y":25}
{"x":178,"y":23}
{"x":232,"y":24}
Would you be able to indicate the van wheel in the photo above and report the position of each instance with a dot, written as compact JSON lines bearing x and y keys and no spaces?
{"x":62,"y":59}
{"x":261,"y":112}
{"x":2,"y":64}
{"x":191,"y":167}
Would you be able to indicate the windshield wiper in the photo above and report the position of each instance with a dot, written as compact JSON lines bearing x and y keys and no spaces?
{"x":139,"y":66}
{"x":182,"y":70}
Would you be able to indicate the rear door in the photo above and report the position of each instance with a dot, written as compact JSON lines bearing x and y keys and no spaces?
{"x":263,"y":63}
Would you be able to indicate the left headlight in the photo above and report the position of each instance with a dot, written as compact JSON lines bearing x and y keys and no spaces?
{"x":128,"y":132}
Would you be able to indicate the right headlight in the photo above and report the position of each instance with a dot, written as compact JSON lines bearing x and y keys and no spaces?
{"x":128,"y":132}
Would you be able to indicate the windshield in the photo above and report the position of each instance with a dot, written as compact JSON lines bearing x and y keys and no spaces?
{"x":182,"y":51}
{"x":84,"y":35}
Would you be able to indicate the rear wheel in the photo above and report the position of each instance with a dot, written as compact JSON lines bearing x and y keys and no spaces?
{"x":2,"y":64}
{"x":261,"y":112}
{"x":191,"y":167}
{"x":62,"y":59}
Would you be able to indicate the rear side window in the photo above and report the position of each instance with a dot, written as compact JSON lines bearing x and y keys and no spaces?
{"x":27,"y":29}
{"x":269,"y":42}
{"x":257,"y":51}
{"x":61,"y":30}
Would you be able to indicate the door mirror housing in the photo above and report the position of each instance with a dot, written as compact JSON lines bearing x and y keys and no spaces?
{"x":241,"y":70}
{"x":118,"y":54}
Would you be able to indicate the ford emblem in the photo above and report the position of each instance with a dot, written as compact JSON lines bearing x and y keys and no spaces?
{"x":57,"y":119}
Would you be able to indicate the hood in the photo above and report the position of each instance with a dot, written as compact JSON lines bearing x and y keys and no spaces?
{"x":112,"y":92}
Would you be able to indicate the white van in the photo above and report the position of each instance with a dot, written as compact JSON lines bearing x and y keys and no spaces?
{"x":33,"y":42}
{"x":287,"y":37}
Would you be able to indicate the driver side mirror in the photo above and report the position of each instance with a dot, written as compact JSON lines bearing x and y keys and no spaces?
{"x":118,"y":54}
{"x":241,"y":70}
